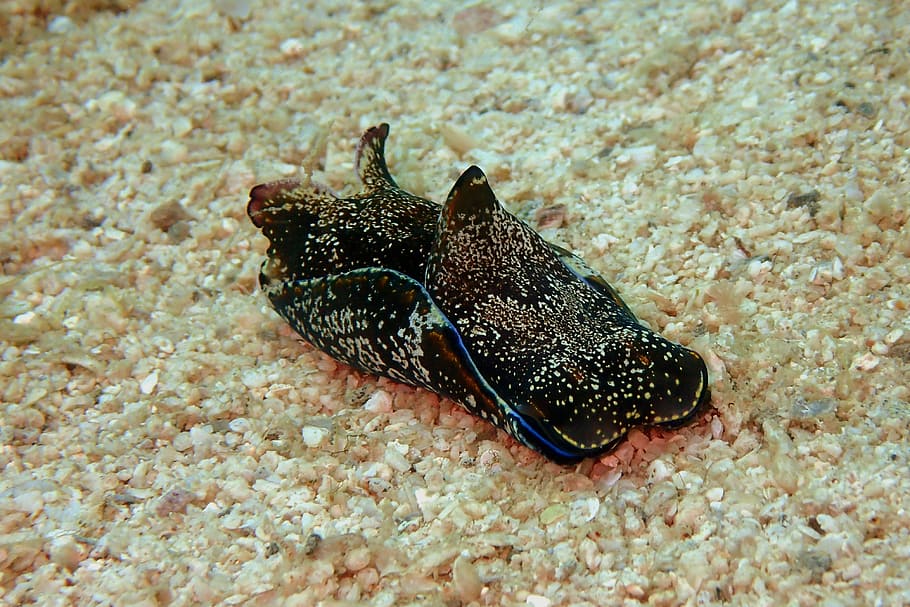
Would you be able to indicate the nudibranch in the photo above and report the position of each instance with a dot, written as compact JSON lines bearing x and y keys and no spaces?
{"x":468,"y":301}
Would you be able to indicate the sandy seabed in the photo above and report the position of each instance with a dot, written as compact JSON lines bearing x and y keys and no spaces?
{"x":739,"y":171}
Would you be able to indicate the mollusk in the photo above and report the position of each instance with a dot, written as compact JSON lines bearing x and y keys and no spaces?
{"x":467,"y":301}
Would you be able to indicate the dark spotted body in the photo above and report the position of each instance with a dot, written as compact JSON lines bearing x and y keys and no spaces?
{"x":466,"y":300}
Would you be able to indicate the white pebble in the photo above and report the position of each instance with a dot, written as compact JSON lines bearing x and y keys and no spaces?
{"x":357,"y":559}
{"x":173,"y":153}
{"x":292,"y":47}
{"x":717,"y":427}
{"x":828,"y":523}
{"x":750,"y":102}
{"x":894,"y":336}
{"x":201,"y":437}
{"x":239,"y":425}
{"x":313,"y":436}
{"x":65,"y":552}
{"x":602,"y":242}
{"x":183,"y":441}
{"x":117,"y":104}
{"x":583,"y":510}
{"x":642,"y":155}
{"x":253,"y":379}
{"x":395,"y":459}
{"x":60,"y":24}
{"x":24,"y":318}
{"x":535,"y":600}
{"x":181,"y":126}
{"x":467,"y":583}
{"x":379,"y":402}
{"x":30,"y":502}
{"x":866,"y":362}
{"x":147,"y":385}
{"x":705,"y":146}
{"x":715,"y":495}
{"x":659,"y":471}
